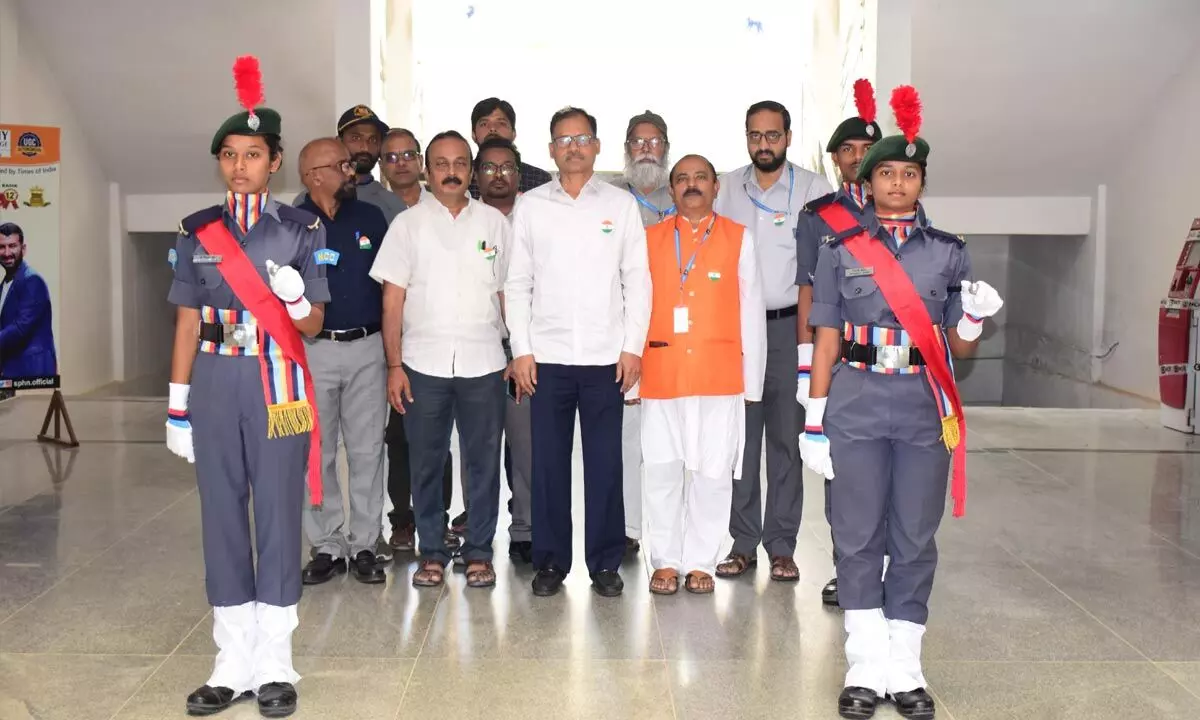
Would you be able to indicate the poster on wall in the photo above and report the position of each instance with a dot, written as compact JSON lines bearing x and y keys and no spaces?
{"x":29,"y":256}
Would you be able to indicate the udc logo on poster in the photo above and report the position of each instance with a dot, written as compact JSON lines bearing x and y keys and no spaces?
{"x":29,"y":144}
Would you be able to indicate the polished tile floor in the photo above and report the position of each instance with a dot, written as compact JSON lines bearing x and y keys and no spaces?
{"x":1070,"y":590}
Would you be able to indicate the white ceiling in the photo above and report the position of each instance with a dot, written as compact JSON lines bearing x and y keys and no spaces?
{"x":1034,"y":97}
{"x":152,"y":79}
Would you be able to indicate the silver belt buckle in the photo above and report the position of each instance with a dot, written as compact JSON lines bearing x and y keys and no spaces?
{"x":244,"y":335}
{"x":892,"y":357}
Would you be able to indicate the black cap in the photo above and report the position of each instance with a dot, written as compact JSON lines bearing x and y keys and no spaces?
{"x":360,"y":114}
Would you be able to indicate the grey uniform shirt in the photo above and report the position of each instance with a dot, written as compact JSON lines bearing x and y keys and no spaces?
{"x":284,"y":235}
{"x":846,"y":292}
{"x":773,"y":231}
{"x":655,"y":207}
{"x":375,"y":193}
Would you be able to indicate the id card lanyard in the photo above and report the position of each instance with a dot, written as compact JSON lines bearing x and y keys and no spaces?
{"x":662,"y":214}
{"x":778,"y":217}
{"x":681,"y":312}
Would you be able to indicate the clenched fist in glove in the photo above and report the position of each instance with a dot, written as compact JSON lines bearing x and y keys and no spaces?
{"x":814,"y":446}
{"x":179,"y":422}
{"x":804,"y":352}
{"x":288,"y":286}
{"x":979,"y":301}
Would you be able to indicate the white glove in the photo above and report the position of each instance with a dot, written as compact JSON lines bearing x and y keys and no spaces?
{"x":979,"y":301}
{"x":288,"y":286}
{"x":804,"y":353}
{"x":814,"y":446}
{"x":179,"y":423}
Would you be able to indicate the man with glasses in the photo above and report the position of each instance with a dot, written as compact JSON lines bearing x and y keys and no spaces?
{"x":578,"y":296}
{"x":645,"y":177}
{"x":361,"y":131}
{"x":766,"y":196}
{"x":348,"y":369}
{"x":494,"y":117}
{"x":401,"y":166}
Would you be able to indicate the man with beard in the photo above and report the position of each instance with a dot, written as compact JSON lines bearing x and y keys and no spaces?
{"x":400,"y":163}
{"x":766,"y":196}
{"x":442,"y":266}
{"x":26,"y":334}
{"x":348,"y":368}
{"x":847,"y":147}
{"x":361,"y":131}
{"x":645,"y":177}
{"x":494,"y":117}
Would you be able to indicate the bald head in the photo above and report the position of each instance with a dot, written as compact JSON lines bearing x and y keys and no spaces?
{"x":325,"y":169}
{"x":694,"y":186}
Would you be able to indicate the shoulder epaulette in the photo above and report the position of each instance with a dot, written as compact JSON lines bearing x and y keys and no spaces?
{"x":287,"y":213}
{"x":817,"y":203}
{"x":199,"y":219}
{"x":945,"y":236}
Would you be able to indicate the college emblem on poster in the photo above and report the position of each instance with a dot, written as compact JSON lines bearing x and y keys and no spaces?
{"x":29,"y":144}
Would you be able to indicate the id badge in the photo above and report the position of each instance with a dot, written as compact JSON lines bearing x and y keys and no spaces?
{"x":681,"y":320}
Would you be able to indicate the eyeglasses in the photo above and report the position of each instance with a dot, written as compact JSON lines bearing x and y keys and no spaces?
{"x":344,"y":166}
{"x":772,"y":136}
{"x":638,"y":143}
{"x":443,"y":165}
{"x":407,"y":156}
{"x":580,"y":140}
{"x":490,"y":169}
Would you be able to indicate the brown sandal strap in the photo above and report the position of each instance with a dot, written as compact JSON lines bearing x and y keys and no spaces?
{"x":692,"y":582}
{"x":741,"y":563}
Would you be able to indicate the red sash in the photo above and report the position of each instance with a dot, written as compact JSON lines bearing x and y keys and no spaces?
{"x":273,"y":319}
{"x":906,"y":304}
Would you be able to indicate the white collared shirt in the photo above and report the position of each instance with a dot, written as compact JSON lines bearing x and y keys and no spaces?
{"x":578,"y":288}
{"x":453,"y":270}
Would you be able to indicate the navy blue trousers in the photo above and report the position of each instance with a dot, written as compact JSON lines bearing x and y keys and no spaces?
{"x":592,"y":391}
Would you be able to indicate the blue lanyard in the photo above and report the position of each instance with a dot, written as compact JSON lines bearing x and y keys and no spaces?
{"x":651,"y":206}
{"x":791,"y":185}
{"x":683,"y":271}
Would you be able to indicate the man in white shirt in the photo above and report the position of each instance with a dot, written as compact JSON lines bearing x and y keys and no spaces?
{"x":578,"y":294}
{"x":767,"y":196}
{"x":443,"y":265}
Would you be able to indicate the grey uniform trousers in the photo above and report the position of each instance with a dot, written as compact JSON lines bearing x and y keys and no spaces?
{"x":518,"y":431}
{"x":891,"y":469}
{"x":350,"y":379}
{"x":783,"y":418}
{"x":234,"y":457}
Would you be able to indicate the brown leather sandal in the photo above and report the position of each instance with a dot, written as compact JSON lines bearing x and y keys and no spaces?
{"x":736,"y":564}
{"x":430,"y":573}
{"x":783,"y":569}
{"x":699,"y":583}
{"x":480,"y":574}
{"x":664,"y":582}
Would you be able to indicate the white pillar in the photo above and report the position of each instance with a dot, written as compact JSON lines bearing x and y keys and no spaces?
{"x":398,"y":81}
{"x":351,"y":56}
{"x":1099,"y":279}
{"x":117,"y":262}
{"x":893,"y":54}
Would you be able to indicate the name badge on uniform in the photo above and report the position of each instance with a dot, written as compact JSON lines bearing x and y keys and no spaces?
{"x":325,"y":256}
{"x":681,"y":320}
{"x":860,"y":272}
{"x":364,"y":242}
{"x":172,"y":257}
{"x":202,"y":259}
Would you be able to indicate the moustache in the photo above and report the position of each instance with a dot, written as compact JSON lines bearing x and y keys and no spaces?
{"x":692,"y":191}
{"x":452,"y":181}
{"x":574,"y":156}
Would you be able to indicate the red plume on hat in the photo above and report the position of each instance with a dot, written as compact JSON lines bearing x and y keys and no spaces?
{"x":864,"y":100}
{"x":247,"y":78}
{"x":906,"y":104}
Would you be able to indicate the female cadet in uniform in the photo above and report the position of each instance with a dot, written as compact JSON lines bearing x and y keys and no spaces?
{"x":238,"y":265}
{"x":891,"y":416}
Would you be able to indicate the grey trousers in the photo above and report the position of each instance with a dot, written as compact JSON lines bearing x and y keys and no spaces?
{"x":782,"y":418}
{"x":234,"y":457}
{"x":351,"y":385}
{"x":519,"y":433}
{"x":889,"y":493}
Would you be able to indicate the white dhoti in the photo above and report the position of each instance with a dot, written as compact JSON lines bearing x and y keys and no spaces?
{"x":692,"y":449}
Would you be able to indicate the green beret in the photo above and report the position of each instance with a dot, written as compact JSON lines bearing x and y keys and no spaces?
{"x":893,"y":147}
{"x":268,"y":123}
{"x":854,"y":128}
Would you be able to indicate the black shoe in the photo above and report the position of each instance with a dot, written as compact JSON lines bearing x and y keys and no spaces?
{"x":632,"y":545}
{"x":548,"y":581}
{"x":383,"y":551}
{"x":829,"y":593}
{"x":857,"y":703}
{"x":322,"y":569}
{"x":276,"y":700}
{"x":366,"y":570}
{"x":520,"y":551}
{"x":916,"y":704}
{"x":607,"y":583}
{"x":458,"y":525}
{"x":212,"y":700}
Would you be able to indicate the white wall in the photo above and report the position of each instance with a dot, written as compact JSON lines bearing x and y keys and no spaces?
{"x":1154,"y":193}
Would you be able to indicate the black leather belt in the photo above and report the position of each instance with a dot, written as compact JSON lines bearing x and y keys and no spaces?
{"x":352,"y":334}
{"x":782,"y":313}
{"x":887,"y":356}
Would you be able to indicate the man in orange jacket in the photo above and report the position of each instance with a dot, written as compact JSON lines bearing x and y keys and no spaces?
{"x":705,"y":358}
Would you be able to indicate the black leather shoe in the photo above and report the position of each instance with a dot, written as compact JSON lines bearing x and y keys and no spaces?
{"x":322,"y":569}
{"x":366,"y":569}
{"x":212,"y":700}
{"x":829,"y":593}
{"x":857,"y":703}
{"x":607,"y":583}
{"x":520,"y":551}
{"x":916,"y":704}
{"x":276,"y":700}
{"x":632,"y":545}
{"x":548,"y":581}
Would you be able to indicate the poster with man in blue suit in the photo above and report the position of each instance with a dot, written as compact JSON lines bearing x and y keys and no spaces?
{"x":27,"y":351}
